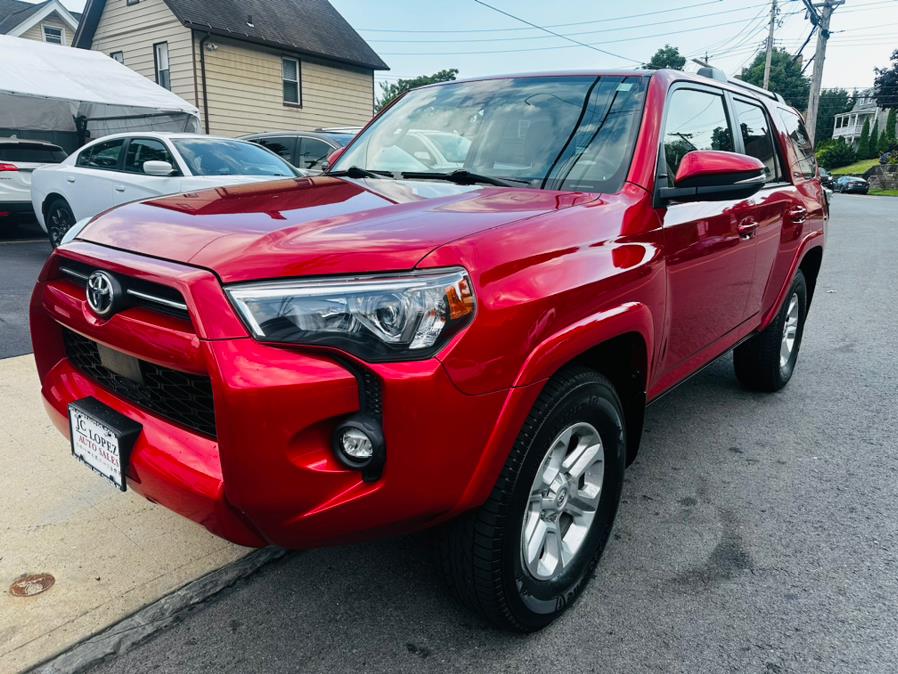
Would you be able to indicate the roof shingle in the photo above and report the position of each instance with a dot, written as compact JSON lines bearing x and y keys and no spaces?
{"x":311,"y":27}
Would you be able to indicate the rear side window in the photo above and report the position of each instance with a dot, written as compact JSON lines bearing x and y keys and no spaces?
{"x":141,"y":150}
{"x":282,"y":146}
{"x":102,"y":155}
{"x":805,"y":164}
{"x":696,"y":120}
{"x":312,"y":152}
{"x":757,"y":139}
{"x":43,"y":154}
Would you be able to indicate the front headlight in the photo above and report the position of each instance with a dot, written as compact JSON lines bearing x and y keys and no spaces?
{"x":378,"y":317}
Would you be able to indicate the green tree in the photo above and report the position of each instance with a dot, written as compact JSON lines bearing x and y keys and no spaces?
{"x":390,"y":91}
{"x":832,"y":103}
{"x":873,"y":149}
{"x":667,"y":57}
{"x":863,"y":143}
{"x":885,"y":85}
{"x":785,"y":77}
{"x":890,"y":131}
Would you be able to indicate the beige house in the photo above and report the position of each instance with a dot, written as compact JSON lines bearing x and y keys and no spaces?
{"x":248,"y":65}
{"x":45,"y":21}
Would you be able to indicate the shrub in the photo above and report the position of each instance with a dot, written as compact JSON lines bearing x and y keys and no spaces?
{"x":835,"y":154}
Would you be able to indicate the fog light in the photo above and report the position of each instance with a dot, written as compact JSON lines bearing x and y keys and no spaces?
{"x":359,"y":444}
{"x":356,"y":444}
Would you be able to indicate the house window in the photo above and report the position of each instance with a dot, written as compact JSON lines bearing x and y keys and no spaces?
{"x":292,"y":90}
{"x":53,"y":35}
{"x":118,"y":56}
{"x":163,"y":73}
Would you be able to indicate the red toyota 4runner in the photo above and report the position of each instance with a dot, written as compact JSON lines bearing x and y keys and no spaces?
{"x":460,"y":324}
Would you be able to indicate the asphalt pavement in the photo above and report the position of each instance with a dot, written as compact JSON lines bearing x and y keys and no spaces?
{"x":757,"y":532}
{"x":23,"y":249}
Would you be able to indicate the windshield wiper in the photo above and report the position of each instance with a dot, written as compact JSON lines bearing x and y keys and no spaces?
{"x":357,"y":172}
{"x":461,"y":177}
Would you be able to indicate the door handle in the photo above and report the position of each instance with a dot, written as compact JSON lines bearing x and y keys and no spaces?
{"x":70,"y":180}
{"x":797,"y":214}
{"x":119,"y":188}
{"x":747,"y":228}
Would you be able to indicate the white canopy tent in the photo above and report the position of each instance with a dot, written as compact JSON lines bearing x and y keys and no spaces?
{"x":47,"y":87}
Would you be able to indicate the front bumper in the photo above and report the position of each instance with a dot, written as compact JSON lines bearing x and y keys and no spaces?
{"x":269,"y":474}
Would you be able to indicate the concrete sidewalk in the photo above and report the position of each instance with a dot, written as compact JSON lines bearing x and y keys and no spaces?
{"x":108,"y":553}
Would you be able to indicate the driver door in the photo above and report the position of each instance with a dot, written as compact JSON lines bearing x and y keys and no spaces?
{"x":131,"y":183}
{"x":710,"y":258}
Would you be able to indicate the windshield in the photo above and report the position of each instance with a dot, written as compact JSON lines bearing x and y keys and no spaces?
{"x":215,"y":157}
{"x":23,"y":152}
{"x":565,"y":133}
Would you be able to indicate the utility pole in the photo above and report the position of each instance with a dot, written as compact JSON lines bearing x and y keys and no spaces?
{"x":770,"y":44}
{"x":822,"y":23}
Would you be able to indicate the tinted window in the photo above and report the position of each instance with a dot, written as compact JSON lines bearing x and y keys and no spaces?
{"x":102,"y":155}
{"x":312,"y":152}
{"x":145,"y":149}
{"x":281,"y":146}
{"x":756,"y":137}
{"x":214,"y":157}
{"x":806,"y":163}
{"x":566,"y":133}
{"x":696,"y":120}
{"x":44,"y":154}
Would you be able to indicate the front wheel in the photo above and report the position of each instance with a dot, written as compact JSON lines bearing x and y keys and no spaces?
{"x":59,"y":219}
{"x":766,"y":361}
{"x":527,"y":554}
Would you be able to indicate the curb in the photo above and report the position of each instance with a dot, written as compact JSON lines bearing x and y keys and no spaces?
{"x":155,"y":617}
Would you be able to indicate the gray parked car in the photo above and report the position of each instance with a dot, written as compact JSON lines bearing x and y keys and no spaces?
{"x":307,"y":150}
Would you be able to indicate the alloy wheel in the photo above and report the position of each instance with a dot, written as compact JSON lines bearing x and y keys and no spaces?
{"x":563,"y":501}
{"x":790,"y":331}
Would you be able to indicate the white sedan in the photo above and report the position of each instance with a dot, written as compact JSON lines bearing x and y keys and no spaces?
{"x":127,"y":167}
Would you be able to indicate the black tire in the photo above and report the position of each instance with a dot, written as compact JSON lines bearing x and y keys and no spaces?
{"x":59,"y":219}
{"x":758,"y":362}
{"x":481,"y":552}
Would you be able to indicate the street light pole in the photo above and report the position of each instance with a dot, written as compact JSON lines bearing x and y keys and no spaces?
{"x":769,"y":44}
{"x":826,"y":12}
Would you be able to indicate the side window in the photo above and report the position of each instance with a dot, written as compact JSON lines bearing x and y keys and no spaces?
{"x":102,"y":155}
{"x":754,"y":128}
{"x":282,"y":146}
{"x":805,"y":164}
{"x":696,"y":120}
{"x":312,"y":152}
{"x":146,"y":149}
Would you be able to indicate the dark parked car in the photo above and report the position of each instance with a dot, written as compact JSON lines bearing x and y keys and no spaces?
{"x":304,"y":149}
{"x":852,"y":185}
{"x":826,"y":178}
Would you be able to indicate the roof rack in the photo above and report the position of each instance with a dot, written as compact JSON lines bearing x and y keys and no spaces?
{"x":713,"y":73}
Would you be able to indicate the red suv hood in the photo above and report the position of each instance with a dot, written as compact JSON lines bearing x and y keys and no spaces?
{"x":310,"y":226}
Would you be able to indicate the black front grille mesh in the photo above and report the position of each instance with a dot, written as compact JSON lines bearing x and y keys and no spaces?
{"x":183,"y":398}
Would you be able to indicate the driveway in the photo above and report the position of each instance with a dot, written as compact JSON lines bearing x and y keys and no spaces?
{"x":757,"y":532}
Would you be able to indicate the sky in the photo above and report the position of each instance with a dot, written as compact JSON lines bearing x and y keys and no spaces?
{"x":416,"y":37}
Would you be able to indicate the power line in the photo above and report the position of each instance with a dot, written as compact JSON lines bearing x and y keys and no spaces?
{"x":576,"y":42}
{"x":554,"y":25}
{"x":585,"y":32}
{"x":582,"y":44}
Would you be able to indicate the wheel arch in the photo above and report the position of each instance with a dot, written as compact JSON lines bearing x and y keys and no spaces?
{"x":810,"y":267}
{"x":611,"y":342}
{"x":49,"y":200}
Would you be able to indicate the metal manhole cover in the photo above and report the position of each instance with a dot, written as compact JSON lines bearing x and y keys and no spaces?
{"x":31,"y":584}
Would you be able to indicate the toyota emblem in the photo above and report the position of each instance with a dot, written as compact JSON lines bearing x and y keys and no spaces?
{"x":103,"y":292}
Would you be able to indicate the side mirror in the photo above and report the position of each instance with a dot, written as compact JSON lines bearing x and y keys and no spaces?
{"x":332,"y":158}
{"x":713,"y":175}
{"x":158,"y":168}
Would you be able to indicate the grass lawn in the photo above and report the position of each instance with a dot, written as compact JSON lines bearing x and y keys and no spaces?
{"x":858,"y":168}
{"x":884,"y":193}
